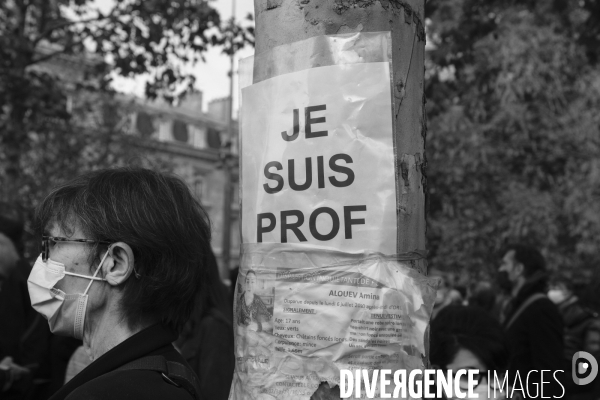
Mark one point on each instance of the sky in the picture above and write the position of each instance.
(211, 76)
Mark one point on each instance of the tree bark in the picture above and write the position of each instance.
(281, 22)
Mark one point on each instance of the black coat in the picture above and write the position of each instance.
(97, 382)
(24, 336)
(535, 341)
(207, 345)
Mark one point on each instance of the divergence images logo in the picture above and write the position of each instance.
(583, 363)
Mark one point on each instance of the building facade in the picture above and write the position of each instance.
(200, 148)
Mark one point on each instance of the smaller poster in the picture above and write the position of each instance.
(297, 327)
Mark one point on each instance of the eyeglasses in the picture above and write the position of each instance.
(55, 239)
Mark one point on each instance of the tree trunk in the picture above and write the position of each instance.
(280, 22)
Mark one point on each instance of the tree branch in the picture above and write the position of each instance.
(23, 7)
(56, 53)
(43, 16)
(71, 45)
(66, 24)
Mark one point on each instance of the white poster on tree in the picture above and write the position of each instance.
(320, 286)
(318, 159)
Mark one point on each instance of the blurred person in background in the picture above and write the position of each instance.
(588, 290)
(15, 379)
(577, 320)
(576, 317)
(461, 285)
(122, 260)
(466, 337)
(533, 326)
(206, 341)
(24, 335)
(591, 344)
(445, 296)
(503, 295)
(483, 296)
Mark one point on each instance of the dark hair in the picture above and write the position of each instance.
(483, 296)
(532, 260)
(214, 295)
(471, 328)
(155, 214)
(233, 278)
(462, 290)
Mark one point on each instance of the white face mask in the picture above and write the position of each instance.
(557, 296)
(65, 312)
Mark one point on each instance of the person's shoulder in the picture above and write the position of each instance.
(541, 309)
(576, 314)
(543, 303)
(215, 317)
(131, 384)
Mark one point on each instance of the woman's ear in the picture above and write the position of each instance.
(121, 264)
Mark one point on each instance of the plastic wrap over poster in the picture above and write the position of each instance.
(321, 287)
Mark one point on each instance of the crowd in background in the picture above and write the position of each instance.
(522, 320)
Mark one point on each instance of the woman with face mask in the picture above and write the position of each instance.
(122, 259)
(464, 337)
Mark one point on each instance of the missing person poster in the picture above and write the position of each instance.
(321, 287)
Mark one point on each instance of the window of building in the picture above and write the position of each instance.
(144, 124)
(180, 131)
(213, 137)
(199, 188)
